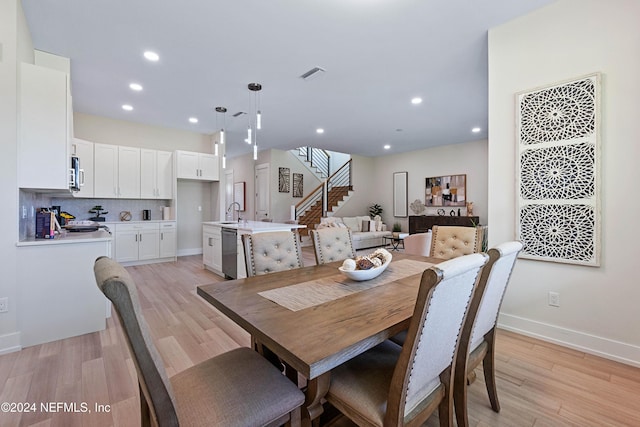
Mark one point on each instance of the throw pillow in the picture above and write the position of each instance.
(365, 226)
(352, 223)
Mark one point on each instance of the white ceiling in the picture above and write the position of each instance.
(377, 54)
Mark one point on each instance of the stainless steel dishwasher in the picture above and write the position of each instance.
(229, 253)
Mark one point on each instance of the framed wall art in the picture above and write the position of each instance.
(298, 181)
(283, 180)
(448, 190)
(558, 206)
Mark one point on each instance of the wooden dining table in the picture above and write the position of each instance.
(315, 318)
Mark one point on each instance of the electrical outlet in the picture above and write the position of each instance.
(554, 299)
(4, 305)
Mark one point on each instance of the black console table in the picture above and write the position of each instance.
(422, 223)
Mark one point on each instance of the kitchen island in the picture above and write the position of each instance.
(224, 258)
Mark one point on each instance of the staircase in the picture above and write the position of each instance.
(325, 198)
(317, 160)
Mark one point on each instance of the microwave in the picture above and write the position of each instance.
(76, 175)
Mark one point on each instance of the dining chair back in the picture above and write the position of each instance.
(478, 334)
(332, 244)
(450, 242)
(202, 394)
(271, 251)
(418, 244)
(391, 385)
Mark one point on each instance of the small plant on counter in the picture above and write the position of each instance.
(98, 211)
(375, 210)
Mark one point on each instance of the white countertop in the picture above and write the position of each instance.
(67, 237)
(254, 226)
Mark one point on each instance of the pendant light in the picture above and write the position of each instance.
(222, 110)
(255, 88)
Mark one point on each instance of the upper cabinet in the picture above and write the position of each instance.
(199, 166)
(83, 150)
(116, 172)
(156, 174)
(44, 128)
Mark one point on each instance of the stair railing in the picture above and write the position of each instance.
(343, 177)
(318, 158)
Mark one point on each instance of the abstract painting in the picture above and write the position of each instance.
(283, 180)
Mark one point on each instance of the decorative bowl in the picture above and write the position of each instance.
(361, 275)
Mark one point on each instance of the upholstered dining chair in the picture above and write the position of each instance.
(478, 334)
(332, 244)
(271, 251)
(453, 241)
(390, 385)
(418, 244)
(235, 388)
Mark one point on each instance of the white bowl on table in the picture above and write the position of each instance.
(360, 275)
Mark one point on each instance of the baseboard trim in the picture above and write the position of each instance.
(609, 349)
(10, 343)
(192, 251)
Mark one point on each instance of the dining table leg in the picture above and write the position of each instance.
(317, 388)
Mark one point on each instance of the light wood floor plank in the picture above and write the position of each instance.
(539, 384)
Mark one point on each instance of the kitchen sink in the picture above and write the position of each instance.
(228, 222)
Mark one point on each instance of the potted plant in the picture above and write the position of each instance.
(397, 228)
(98, 211)
(375, 210)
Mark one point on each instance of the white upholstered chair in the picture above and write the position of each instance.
(272, 251)
(418, 244)
(448, 242)
(391, 385)
(235, 388)
(332, 244)
(478, 333)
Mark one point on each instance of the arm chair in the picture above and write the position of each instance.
(453, 241)
(391, 385)
(418, 244)
(271, 251)
(235, 388)
(478, 337)
(332, 244)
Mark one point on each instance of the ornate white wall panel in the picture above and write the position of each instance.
(558, 172)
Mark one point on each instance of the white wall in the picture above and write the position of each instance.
(568, 39)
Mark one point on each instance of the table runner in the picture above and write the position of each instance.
(315, 292)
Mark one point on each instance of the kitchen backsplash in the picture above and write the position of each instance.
(30, 202)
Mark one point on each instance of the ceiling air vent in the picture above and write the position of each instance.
(239, 113)
(312, 73)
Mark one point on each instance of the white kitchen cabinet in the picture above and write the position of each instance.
(116, 171)
(137, 241)
(83, 150)
(212, 248)
(105, 171)
(128, 172)
(168, 240)
(44, 104)
(141, 242)
(156, 174)
(198, 166)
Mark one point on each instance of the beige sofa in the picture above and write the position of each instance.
(366, 232)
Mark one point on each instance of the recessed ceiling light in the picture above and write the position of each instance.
(151, 56)
(135, 86)
(476, 130)
(193, 120)
(416, 100)
(319, 130)
(127, 107)
(386, 147)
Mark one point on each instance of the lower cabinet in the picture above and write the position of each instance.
(141, 242)
(212, 248)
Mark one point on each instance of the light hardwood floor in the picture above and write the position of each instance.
(539, 384)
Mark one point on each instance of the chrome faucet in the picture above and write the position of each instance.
(238, 210)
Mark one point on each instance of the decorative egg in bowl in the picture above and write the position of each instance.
(366, 267)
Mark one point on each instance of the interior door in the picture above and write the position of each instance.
(262, 191)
